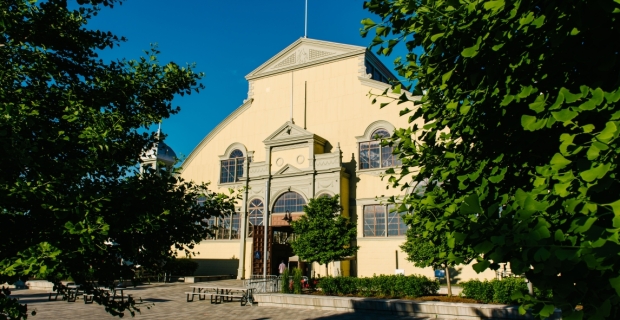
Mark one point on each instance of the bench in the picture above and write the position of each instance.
(229, 297)
(201, 295)
(88, 298)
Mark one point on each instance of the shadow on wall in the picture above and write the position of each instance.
(216, 267)
(378, 308)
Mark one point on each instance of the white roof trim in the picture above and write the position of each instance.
(303, 53)
(215, 131)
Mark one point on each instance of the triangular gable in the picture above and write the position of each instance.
(289, 131)
(288, 169)
(305, 52)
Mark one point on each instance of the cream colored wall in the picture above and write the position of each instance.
(290, 156)
(378, 256)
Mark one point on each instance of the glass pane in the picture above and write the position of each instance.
(364, 155)
(396, 224)
(387, 158)
(223, 228)
(236, 154)
(289, 201)
(374, 155)
(255, 215)
(234, 228)
(374, 221)
(239, 168)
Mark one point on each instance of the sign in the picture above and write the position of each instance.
(440, 273)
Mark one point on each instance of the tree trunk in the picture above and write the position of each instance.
(326, 270)
(448, 282)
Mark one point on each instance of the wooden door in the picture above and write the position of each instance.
(258, 240)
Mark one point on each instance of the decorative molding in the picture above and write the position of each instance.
(373, 127)
(304, 53)
(375, 172)
(237, 145)
(300, 145)
(290, 133)
(288, 169)
(300, 159)
(246, 105)
(280, 162)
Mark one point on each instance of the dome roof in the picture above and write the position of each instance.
(160, 151)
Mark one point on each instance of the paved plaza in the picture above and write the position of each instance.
(168, 301)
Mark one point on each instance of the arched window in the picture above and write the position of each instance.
(255, 216)
(373, 155)
(324, 195)
(289, 201)
(232, 168)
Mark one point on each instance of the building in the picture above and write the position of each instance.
(307, 129)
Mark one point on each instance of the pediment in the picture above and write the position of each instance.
(289, 132)
(288, 169)
(304, 52)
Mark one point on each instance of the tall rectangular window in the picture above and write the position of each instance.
(382, 221)
(374, 221)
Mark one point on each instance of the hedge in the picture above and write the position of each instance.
(498, 291)
(380, 286)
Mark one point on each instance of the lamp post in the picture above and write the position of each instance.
(287, 217)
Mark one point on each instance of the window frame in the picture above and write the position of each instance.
(276, 208)
(386, 221)
(261, 210)
(228, 222)
(237, 166)
(375, 143)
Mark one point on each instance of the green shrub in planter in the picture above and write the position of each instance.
(297, 277)
(494, 291)
(285, 281)
(380, 286)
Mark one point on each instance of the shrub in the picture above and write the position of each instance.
(380, 286)
(494, 291)
(285, 281)
(297, 277)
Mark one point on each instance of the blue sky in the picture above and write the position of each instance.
(226, 40)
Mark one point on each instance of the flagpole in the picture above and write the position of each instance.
(306, 21)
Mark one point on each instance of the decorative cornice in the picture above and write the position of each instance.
(246, 105)
(304, 53)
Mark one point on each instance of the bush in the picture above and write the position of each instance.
(494, 291)
(297, 277)
(380, 286)
(285, 281)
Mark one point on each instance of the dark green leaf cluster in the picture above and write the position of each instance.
(72, 129)
(324, 235)
(516, 135)
(393, 286)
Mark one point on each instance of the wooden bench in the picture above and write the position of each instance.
(201, 295)
(228, 297)
(88, 298)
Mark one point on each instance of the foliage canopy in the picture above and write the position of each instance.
(71, 132)
(517, 131)
(324, 235)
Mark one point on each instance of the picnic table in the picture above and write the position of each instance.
(221, 294)
(71, 292)
(115, 290)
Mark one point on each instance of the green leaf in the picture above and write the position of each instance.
(436, 36)
(608, 133)
(484, 247)
(547, 311)
(481, 266)
(471, 205)
(473, 50)
(558, 161)
(615, 283)
(564, 115)
(574, 32)
(539, 104)
(597, 172)
(494, 5)
(507, 100)
(542, 254)
(446, 76)
(559, 235)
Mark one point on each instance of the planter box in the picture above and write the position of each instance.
(426, 309)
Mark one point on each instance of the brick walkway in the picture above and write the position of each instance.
(169, 303)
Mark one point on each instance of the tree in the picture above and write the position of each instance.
(71, 132)
(323, 234)
(517, 125)
(429, 249)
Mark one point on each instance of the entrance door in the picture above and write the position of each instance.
(258, 240)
